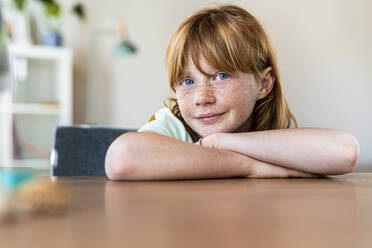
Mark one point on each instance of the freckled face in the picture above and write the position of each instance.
(219, 104)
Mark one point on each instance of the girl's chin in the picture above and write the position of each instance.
(206, 132)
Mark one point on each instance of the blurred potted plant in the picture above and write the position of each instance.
(3, 56)
(52, 17)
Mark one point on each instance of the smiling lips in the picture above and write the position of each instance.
(210, 118)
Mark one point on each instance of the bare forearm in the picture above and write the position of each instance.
(150, 156)
(320, 151)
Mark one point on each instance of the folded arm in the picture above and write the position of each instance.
(151, 156)
(312, 150)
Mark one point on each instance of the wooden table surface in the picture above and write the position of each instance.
(331, 212)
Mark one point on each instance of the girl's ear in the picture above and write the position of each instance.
(266, 82)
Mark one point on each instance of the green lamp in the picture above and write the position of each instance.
(124, 47)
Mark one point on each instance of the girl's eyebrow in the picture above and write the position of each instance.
(210, 72)
(183, 76)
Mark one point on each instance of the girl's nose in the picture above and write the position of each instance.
(205, 94)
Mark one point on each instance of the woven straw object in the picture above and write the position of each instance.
(44, 196)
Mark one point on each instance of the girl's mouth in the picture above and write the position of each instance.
(210, 118)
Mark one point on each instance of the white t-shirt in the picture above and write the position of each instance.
(166, 123)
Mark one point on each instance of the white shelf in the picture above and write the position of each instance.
(40, 164)
(30, 108)
(38, 52)
(27, 120)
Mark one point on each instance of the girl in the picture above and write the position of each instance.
(229, 117)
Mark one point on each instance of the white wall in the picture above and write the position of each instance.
(323, 48)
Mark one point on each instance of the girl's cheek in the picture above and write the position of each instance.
(230, 93)
(238, 97)
(184, 107)
(183, 94)
(182, 89)
(182, 99)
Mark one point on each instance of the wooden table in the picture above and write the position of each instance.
(333, 212)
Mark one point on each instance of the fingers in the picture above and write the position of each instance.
(266, 170)
(199, 142)
(297, 173)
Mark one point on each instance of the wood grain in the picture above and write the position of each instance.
(331, 212)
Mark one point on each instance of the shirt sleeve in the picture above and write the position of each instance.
(167, 124)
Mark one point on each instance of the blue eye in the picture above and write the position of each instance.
(222, 76)
(187, 82)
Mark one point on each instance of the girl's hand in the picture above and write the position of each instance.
(211, 141)
(258, 169)
(261, 169)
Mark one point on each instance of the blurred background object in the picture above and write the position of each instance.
(4, 63)
(123, 47)
(35, 80)
(39, 99)
(23, 195)
(47, 14)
